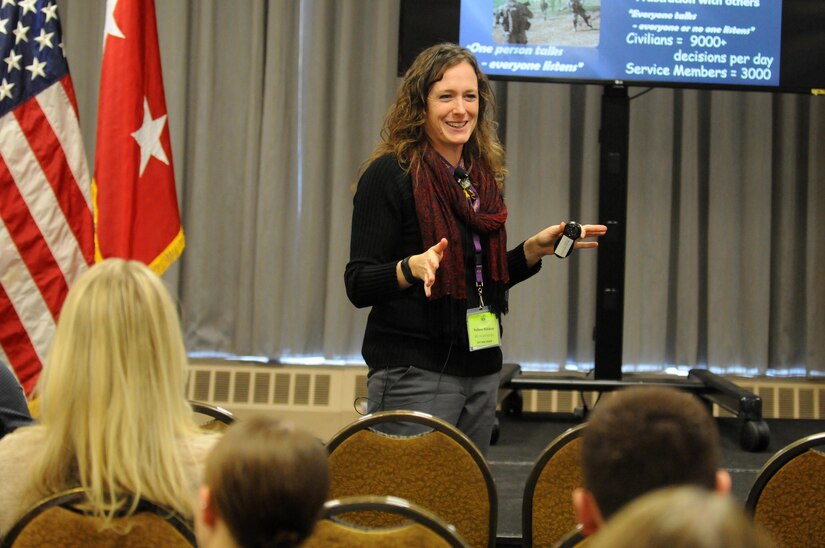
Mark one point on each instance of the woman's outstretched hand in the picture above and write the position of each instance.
(543, 243)
(424, 265)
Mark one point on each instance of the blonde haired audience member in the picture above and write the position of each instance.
(264, 486)
(681, 517)
(113, 416)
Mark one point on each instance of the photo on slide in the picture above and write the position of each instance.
(558, 22)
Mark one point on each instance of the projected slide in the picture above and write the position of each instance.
(727, 42)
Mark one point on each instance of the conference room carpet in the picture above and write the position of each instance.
(522, 439)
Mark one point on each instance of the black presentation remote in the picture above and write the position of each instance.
(565, 244)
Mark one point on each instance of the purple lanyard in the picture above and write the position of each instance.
(472, 200)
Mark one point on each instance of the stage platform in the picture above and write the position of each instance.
(522, 438)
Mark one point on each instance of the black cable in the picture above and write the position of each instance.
(639, 94)
(585, 407)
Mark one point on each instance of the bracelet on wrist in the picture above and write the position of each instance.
(407, 271)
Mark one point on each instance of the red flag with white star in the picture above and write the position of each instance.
(136, 207)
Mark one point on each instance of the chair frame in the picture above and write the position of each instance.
(775, 463)
(394, 505)
(71, 497)
(572, 538)
(547, 453)
(437, 424)
(216, 412)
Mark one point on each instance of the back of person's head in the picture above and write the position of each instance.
(266, 481)
(644, 438)
(681, 517)
(112, 390)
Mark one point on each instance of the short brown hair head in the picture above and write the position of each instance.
(644, 438)
(268, 482)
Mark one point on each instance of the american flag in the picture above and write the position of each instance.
(46, 228)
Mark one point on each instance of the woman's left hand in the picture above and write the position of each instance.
(543, 243)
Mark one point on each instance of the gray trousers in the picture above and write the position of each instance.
(467, 402)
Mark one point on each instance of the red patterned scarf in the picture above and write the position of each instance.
(440, 203)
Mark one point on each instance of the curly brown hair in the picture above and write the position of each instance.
(403, 130)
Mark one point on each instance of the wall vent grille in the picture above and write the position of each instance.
(221, 386)
(271, 385)
(323, 399)
(780, 399)
(282, 388)
(263, 383)
(241, 393)
(301, 392)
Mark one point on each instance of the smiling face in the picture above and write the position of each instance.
(452, 111)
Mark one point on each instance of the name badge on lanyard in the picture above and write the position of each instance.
(482, 328)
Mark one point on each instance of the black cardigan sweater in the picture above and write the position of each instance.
(384, 231)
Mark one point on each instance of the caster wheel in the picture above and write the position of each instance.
(496, 432)
(513, 404)
(754, 436)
